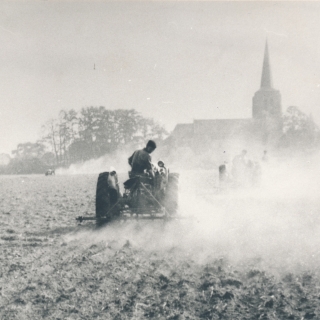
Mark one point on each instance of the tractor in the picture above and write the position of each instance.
(144, 197)
(50, 172)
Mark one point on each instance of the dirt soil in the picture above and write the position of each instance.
(54, 268)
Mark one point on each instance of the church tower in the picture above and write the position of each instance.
(266, 102)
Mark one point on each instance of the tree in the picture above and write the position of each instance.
(50, 136)
(25, 166)
(27, 158)
(49, 159)
(4, 159)
(97, 131)
(299, 130)
(80, 150)
(68, 133)
(152, 130)
(91, 126)
(29, 150)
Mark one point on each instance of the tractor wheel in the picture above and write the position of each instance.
(171, 196)
(106, 199)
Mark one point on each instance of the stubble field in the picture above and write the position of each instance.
(241, 256)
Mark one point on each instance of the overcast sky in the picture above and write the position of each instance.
(172, 61)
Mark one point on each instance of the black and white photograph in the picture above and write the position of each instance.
(159, 160)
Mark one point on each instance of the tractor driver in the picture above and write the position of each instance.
(141, 160)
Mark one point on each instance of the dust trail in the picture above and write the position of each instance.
(275, 226)
(118, 160)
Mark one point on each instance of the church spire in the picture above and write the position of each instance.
(266, 81)
(267, 100)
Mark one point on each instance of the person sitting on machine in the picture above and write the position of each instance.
(141, 160)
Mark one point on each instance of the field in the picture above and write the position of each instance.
(244, 255)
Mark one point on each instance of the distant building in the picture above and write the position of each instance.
(263, 128)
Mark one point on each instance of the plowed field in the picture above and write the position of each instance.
(242, 256)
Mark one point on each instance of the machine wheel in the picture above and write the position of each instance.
(171, 196)
(106, 199)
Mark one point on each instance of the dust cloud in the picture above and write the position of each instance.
(117, 160)
(274, 226)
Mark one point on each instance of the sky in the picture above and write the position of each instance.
(173, 61)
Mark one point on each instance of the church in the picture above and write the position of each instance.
(263, 128)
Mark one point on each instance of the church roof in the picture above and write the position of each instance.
(222, 128)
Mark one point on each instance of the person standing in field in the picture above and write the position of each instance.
(224, 177)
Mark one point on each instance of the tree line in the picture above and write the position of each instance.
(80, 136)
(299, 131)
(96, 131)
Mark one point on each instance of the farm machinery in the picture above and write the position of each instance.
(144, 197)
(50, 172)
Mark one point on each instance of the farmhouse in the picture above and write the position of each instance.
(263, 128)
